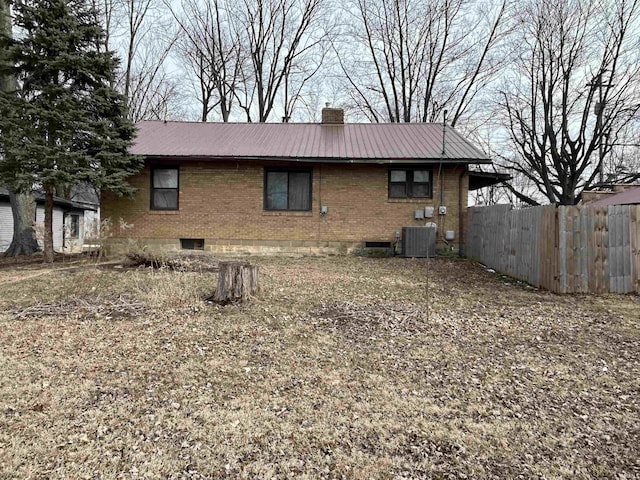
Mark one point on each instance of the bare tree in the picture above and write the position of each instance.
(408, 60)
(622, 164)
(301, 82)
(247, 57)
(151, 91)
(149, 88)
(213, 53)
(105, 11)
(141, 34)
(283, 38)
(575, 57)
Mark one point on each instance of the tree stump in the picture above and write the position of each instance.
(237, 282)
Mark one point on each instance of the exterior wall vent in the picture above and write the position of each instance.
(418, 242)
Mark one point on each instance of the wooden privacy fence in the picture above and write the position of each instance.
(563, 249)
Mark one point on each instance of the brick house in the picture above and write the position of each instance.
(327, 187)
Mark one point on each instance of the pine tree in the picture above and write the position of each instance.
(65, 124)
(23, 204)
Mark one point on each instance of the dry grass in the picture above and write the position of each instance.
(337, 370)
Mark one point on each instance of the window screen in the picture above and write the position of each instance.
(287, 190)
(409, 183)
(164, 188)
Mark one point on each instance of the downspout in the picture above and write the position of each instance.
(441, 175)
(443, 154)
(320, 215)
(460, 213)
(441, 219)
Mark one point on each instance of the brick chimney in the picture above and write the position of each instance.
(332, 116)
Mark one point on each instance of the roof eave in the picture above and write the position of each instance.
(479, 180)
(345, 161)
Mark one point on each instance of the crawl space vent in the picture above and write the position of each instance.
(377, 244)
(192, 243)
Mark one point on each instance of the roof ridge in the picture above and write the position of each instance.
(194, 122)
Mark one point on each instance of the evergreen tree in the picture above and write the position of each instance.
(23, 204)
(65, 124)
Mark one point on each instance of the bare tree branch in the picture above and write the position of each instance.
(570, 54)
(412, 59)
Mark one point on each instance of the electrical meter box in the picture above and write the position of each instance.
(442, 210)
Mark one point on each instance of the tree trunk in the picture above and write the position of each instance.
(48, 224)
(23, 207)
(237, 283)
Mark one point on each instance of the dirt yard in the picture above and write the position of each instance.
(341, 368)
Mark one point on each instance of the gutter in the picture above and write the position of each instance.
(346, 161)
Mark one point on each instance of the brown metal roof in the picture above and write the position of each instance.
(352, 142)
(630, 196)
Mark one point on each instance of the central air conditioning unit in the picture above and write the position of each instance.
(419, 242)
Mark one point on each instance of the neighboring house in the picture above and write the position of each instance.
(85, 196)
(71, 215)
(621, 195)
(269, 187)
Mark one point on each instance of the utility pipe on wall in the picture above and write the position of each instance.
(460, 213)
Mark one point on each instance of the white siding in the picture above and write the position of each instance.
(91, 225)
(57, 226)
(87, 219)
(6, 225)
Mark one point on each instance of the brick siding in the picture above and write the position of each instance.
(222, 202)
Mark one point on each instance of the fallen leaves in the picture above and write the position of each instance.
(340, 368)
(361, 321)
(89, 307)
